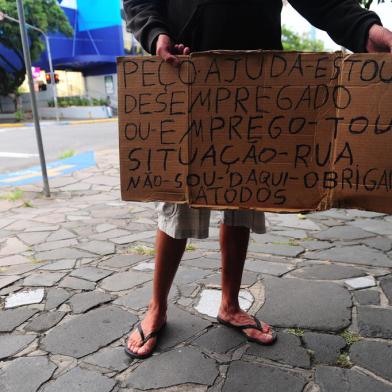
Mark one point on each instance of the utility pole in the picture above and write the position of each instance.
(26, 54)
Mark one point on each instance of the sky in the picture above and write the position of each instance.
(296, 22)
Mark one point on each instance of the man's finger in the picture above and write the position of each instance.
(387, 39)
(166, 50)
(170, 58)
(379, 39)
(173, 60)
(167, 56)
(187, 50)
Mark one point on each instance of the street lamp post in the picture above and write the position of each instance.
(26, 54)
(47, 44)
(52, 79)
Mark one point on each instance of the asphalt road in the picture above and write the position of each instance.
(18, 146)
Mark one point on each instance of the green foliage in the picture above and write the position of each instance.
(27, 204)
(33, 260)
(296, 331)
(368, 3)
(311, 353)
(99, 102)
(350, 337)
(64, 102)
(344, 361)
(67, 154)
(190, 247)
(15, 195)
(290, 242)
(300, 42)
(46, 15)
(19, 115)
(142, 250)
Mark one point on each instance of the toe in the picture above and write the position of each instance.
(147, 347)
(133, 343)
(262, 336)
(266, 328)
(266, 337)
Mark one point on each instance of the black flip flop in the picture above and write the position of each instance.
(152, 334)
(258, 326)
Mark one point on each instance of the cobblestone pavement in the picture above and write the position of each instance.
(76, 275)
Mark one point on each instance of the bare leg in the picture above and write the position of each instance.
(234, 245)
(169, 252)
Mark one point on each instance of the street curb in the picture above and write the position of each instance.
(70, 122)
(98, 120)
(12, 125)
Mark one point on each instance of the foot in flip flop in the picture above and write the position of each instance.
(142, 341)
(255, 330)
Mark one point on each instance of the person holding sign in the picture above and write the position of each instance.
(177, 27)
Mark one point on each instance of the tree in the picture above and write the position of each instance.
(48, 16)
(303, 43)
(368, 3)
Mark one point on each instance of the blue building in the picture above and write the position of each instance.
(99, 36)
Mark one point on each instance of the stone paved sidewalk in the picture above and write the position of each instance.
(76, 275)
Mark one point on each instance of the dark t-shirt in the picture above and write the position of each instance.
(243, 24)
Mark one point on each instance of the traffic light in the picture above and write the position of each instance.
(42, 86)
(49, 79)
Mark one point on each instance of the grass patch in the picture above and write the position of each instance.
(290, 242)
(311, 353)
(15, 195)
(67, 154)
(343, 361)
(190, 247)
(296, 331)
(33, 260)
(350, 337)
(142, 250)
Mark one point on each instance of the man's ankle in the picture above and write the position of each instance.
(229, 307)
(156, 307)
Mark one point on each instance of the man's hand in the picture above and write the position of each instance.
(379, 40)
(167, 51)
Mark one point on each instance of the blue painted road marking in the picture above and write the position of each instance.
(55, 169)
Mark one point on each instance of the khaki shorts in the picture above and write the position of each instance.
(181, 221)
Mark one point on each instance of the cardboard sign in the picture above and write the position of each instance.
(268, 130)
